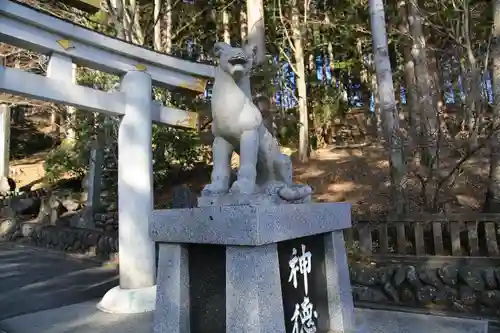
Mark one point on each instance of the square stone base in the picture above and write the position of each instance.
(228, 269)
(256, 199)
(248, 225)
(224, 289)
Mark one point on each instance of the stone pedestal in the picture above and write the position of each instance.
(239, 269)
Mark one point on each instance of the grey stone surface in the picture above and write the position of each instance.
(85, 318)
(338, 284)
(255, 199)
(376, 321)
(182, 197)
(34, 279)
(253, 292)
(269, 194)
(79, 318)
(172, 291)
(93, 184)
(248, 224)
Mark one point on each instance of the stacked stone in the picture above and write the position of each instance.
(5, 198)
(461, 288)
(107, 221)
(73, 240)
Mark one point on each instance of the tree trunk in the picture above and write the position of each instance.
(167, 29)
(257, 36)
(492, 203)
(55, 121)
(226, 36)
(435, 83)
(157, 29)
(363, 73)
(128, 25)
(297, 36)
(256, 28)
(243, 22)
(429, 114)
(388, 105)
(116, 11)
(378, 130)
(409, 75)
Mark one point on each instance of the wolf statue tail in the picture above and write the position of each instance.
(296, 193)
(292, 192)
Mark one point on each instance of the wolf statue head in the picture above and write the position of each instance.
(235, 61)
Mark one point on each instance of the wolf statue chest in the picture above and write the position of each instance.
(232, 110)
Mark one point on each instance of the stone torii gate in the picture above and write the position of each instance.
(67, 44)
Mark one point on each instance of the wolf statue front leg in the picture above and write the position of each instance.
(247, 174)
(221, 173)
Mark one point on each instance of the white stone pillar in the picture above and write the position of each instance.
(71, 111)
(4, 140)
(136, 292)
(62, 68)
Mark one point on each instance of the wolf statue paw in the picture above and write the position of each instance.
(243, 186)
(216, 188)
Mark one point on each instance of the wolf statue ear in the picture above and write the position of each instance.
(219, 47)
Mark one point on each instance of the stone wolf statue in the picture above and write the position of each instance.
(237, 126)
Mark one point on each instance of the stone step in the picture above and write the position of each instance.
(85, 318)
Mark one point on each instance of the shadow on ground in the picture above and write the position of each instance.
(79, 318)
(37, 279)
(361, 176)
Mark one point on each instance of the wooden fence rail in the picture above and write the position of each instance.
(456, 235)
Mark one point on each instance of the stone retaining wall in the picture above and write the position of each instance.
(106, 221)
(457, 288)
(6, 198)
(94, 243)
